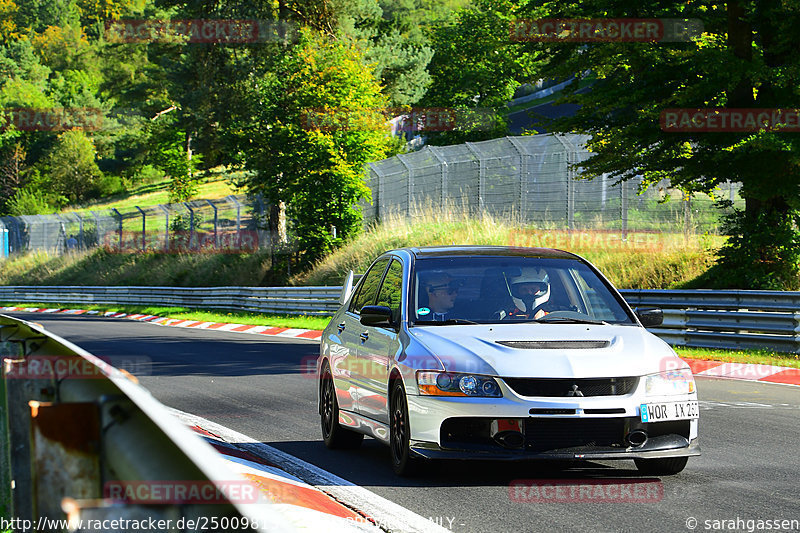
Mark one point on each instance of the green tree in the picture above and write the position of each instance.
(476, 65)
(70, 168)
(317, 172)
(746, 58)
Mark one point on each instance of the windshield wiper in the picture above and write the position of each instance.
(448, 322)
(572, 320)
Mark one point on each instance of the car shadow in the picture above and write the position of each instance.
(370, 466)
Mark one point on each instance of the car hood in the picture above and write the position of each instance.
(625, 351)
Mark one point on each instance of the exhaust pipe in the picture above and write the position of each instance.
(636, 438)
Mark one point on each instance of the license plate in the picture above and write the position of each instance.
(660, 412)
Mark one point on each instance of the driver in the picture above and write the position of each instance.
(529, 291)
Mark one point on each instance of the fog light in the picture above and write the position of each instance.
(490, 388)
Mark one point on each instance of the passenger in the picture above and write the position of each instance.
(442, 292)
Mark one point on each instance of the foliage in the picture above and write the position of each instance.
(744, 59)
(29, 201)
(70, 168)
(476, 65)
(318, 174)
(763, 251)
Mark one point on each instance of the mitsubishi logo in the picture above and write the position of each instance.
(575, 391)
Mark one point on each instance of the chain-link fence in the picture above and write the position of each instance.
(531, 179)
(233, 223)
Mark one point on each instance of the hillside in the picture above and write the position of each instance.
(645, 260)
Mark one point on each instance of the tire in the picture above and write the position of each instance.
(335, 436)
(404, 463)
(668, 466)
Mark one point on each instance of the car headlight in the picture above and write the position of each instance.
(452, 384)
(670, 383)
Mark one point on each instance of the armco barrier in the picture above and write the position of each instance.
(281, 300)
(733, 319)
(73, 429)
(698, 318)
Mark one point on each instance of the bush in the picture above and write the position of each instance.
(29, 202)
(70, 168)
(762, 251)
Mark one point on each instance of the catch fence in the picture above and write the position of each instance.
(234, 223)
(532, 179)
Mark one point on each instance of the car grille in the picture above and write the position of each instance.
(572, 387)
(543, 434)
(555, 345)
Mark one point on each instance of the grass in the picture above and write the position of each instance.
(214, 184)
(101, 267)
(233, 317)
(643, 260)
(761, 357)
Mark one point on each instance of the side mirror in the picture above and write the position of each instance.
(376, 315)
(650, 317)
(347, 288)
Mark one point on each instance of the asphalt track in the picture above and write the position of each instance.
(256, 386)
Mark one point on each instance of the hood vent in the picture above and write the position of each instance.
(555, 345)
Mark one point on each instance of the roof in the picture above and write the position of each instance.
(513, 251)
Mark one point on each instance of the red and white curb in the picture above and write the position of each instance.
(281, 488)
(700, 367)
(178, 323)
(305, 486)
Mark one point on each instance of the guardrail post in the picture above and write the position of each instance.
(6, 499)
(144, 226)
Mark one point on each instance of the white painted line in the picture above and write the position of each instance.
(387, 514)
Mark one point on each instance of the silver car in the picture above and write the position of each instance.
(502, 353)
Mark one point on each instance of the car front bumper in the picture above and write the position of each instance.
(593, 428)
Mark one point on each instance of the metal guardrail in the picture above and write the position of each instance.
(72, 424)
(725, 319)
(697, 318)
(281, 300)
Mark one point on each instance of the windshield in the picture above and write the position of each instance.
(487, 290)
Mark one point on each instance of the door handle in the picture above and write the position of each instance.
(364, 336)
(341, 327)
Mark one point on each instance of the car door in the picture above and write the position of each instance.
(351, 333)
(379, 347)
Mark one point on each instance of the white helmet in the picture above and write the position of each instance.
(530, 275)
